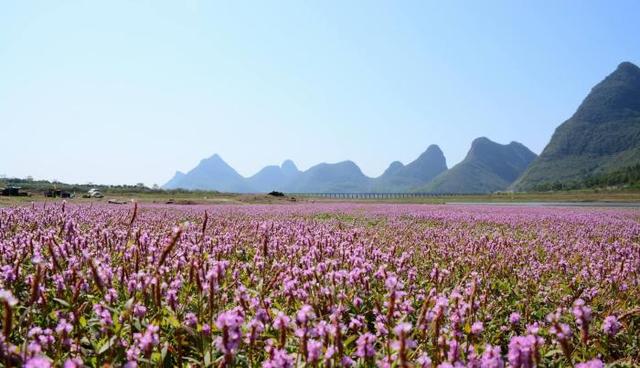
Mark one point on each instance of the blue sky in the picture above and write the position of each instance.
(130, 91)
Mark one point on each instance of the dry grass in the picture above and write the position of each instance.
(223, 198)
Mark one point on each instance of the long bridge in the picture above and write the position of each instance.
(375, 195)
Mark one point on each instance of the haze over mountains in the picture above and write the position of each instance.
(489, 166)
(601, 137)
(399, 178)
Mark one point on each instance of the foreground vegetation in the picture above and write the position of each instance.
(318, 285)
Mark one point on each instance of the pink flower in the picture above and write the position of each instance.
(563, 332)
(190, 320)
(281, 321)
(402, 329)
(424, 361)
(314, 348)
(6, 296)
(230, 323)
(63, 328)
(453, 355)
(491, 357)
(477, 328)
(73, 363)
(279, 359)
(582, 314)
(365, 346)
(393, 284)
(595, 363)
(149, 339)
(611, 326)
(37, 362)
(521, 351)
(305, 314)
(514, 318)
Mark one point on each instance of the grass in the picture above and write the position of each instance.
(229, 198)
(177, 198)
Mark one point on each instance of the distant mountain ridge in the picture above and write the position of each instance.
(600, 140)
(225, 177)
(602, 136)
(488, 167)
(341, 177)
(274, 177)
(401, 178)
(346, 177)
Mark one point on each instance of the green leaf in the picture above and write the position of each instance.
(107, 345)
(163, 352)
(128, 304)
(172, 321)
(193, 360)
(349, 340)
(467, 328)
(62, 302)
(156, 357)
(553, 352)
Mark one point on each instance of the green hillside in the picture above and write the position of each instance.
(488, 167)
(601, 137)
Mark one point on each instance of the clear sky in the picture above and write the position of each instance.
(130, 91)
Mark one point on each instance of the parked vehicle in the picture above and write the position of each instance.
(58, 193)
(94, 193)
(13, 192)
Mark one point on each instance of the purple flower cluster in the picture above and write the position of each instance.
(319, 284)
(611, 326)
(230, 325)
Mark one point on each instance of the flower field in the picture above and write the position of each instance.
(319, 285)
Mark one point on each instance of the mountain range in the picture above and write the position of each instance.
(601, 137)
(488, 167)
